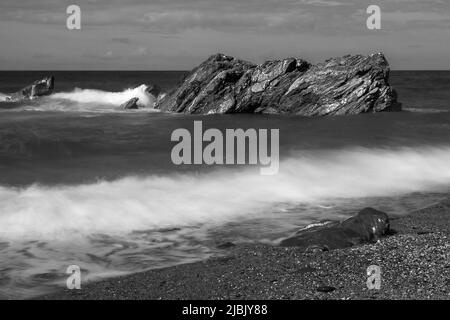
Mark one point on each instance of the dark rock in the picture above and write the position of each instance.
(154, 90)
(39, 88)
(202, 90)
(317, 248)
(226, 245)
(367, 226)
(326, 289)
(130, 104)
(421, 233)
(345, 85)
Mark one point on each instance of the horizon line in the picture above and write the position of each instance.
(133, 70)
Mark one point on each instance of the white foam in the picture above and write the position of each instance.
(92, 96)
(425, 110)
(189, 199)
(3, 97)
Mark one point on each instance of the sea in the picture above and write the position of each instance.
(85, 183)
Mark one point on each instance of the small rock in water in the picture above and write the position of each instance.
(39, 88)
(130, 104)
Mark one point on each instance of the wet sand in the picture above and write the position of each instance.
(414, 264)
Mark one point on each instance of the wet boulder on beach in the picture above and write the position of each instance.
(367, 226)
(130, 104)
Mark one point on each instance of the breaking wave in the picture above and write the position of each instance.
(89, 100)
(159, 201)
(3, 97)
(424, 110)
(104, 97)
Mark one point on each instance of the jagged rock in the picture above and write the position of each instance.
(367, 226)
(154, 90)
(130, 104)
(39, 88)
(345, 85)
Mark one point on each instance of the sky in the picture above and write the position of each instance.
(180, 34)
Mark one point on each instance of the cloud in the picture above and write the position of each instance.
(179, 21)
(42, 55)
(108, 55)
(148, 33)
(248, 16)
(121, 40)
(142, 51)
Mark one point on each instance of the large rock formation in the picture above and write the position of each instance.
(39, 88)
(338, 86)
(368, 225)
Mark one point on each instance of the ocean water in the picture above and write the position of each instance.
(83, 182)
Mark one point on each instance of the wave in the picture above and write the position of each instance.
(175, 200)
(3, 97)
(103, 97)
(424, 110)
(89, 100)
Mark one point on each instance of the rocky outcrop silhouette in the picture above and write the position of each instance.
(39, 88)
(351, 84)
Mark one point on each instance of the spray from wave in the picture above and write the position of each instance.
(104, 97)
(3, 97)
(89, 100)
(424, 110)
(190, 199)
